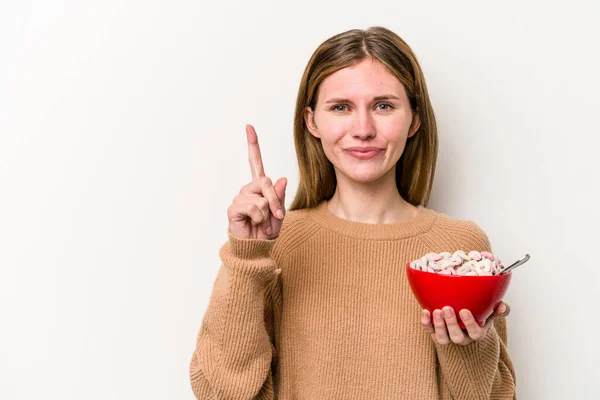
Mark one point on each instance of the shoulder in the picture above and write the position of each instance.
(467, 234)
(296, 229)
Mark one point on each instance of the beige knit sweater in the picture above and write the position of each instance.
(325, 311)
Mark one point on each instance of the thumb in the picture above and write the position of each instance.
(280, 187)
(502, 310)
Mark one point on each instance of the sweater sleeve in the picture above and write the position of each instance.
(234, 348)
(482, 369)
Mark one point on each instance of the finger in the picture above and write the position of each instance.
(263, 188)
(247, 196)
(502, 310)
(254, 157)
(426, 322)
(242, 211)
(265, 226)
(487, 325)
(455, 331)
(253, 188)
(475, 331)
(280, 187)
(263, 205)
(441, 333)
(268, 191)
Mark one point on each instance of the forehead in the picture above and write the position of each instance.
(369, 78)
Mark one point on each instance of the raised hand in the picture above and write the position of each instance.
(258, 209)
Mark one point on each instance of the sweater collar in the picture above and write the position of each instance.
(421, 223)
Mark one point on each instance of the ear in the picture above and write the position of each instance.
(414, 127)
(309, 120)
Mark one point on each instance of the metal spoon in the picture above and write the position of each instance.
(522, 261)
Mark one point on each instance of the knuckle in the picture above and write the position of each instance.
(250, 207)
(266, 181)
(264, 203)
(264, 208)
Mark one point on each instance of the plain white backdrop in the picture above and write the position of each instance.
(122, 144)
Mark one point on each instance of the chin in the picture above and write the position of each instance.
(363, 176)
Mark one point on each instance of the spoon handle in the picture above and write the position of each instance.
(520, 262)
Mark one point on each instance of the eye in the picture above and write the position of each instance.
(389, 106)
(337, 107)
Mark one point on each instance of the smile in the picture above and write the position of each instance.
(364, 155)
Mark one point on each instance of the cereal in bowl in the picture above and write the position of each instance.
(474, 263)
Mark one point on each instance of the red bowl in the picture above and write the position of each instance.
(478, 294)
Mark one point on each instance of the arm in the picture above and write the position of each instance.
(482, 369)
(234, 348)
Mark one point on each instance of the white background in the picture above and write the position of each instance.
(122, 144)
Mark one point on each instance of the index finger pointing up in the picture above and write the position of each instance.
(256, 165)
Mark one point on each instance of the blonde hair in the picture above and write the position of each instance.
(415, 169)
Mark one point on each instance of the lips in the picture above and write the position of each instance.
(364, 149)
(364, 153)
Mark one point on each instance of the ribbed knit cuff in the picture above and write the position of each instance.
(249, 249)
(474, 350)
(469, 369)
(250, 257)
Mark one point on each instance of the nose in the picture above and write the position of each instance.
(364, 126)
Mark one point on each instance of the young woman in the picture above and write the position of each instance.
(314, 303)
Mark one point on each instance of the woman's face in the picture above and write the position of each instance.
(362, 107)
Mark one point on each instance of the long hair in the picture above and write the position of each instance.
(415, 169)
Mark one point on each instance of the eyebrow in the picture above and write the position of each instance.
(376, 98)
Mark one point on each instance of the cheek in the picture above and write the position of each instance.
(332, 128)
(397, 124)
(393, 129)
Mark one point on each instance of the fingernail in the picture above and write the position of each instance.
(279, 214)
(502, 308)
(464, 315)
(448, 312)
(437, 316)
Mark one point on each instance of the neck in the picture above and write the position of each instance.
(376, 203)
